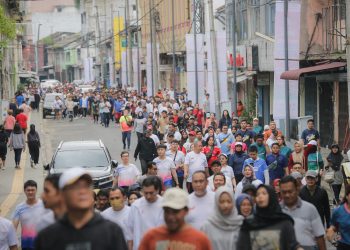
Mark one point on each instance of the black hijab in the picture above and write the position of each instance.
(270, 215)
(335, 159)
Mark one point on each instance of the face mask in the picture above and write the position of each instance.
(117, 204)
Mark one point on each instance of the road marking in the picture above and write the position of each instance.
(17, 185)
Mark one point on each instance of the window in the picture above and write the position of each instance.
(255, 16)
(68, 56)
(91, 158)
(243, 19)
(270, 14)
(134, 7)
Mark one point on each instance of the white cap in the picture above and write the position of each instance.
(175, 198)
(312, 142)
(70, 176)
(266, 127)
(238, 143)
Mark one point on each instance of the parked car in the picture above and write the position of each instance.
(48, 103)
(49, 84)
(92, 155)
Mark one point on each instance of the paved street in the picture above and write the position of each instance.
(51, 133)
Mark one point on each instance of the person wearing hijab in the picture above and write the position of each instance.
(334, 160)
(244, 205)
(269, 228)
(223, 226)
(249, 178)
(33, 140)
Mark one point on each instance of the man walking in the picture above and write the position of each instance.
(28, 214)
(195, 161)
(307, 222)
(201, 201)
(145, 150)
(146, 212)
(259, 165)
(166, 168)
(81, 227)
(316, 196)
(175, 232)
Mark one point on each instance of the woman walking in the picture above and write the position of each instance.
(269, 228)
(139, 123)
(3, 147)
(334, 160)
(223, 226)
(34, 146)
(17, 143)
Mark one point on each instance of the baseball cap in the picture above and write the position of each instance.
(72, 175)
(266, 127)
(192, 133)
(238, 143)
(296, 175)
(256, 119)
(312, 142)
(192, 117)
(170, 134)
(311, 173)
(175, 198)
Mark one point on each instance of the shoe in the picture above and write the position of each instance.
(3, 168)
(32, 165)
(35, 166)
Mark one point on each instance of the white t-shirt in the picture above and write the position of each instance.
(164, 168)
(195, 162)
(155, 139)
(228, 171)
(211, 183)
(144, 216)
(127, 175)
(200, 208)
(119, 217)
(8, 237)
(179, 159)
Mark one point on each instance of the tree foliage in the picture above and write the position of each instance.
(7, 30)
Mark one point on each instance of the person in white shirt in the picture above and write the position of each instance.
(125, 174)
(166, 167)
(249, 178)
(118, 212)
(227, 170)
(201, 201)
(195, 161)
(146, 212)
(216, 168)
(8, 238)
(178, 158)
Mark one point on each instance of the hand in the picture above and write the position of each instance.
(330, 234)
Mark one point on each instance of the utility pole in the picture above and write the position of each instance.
(234, 55)
(173, 35)
(37, 53)
(151, 37)
(138, 47)
(112, 67)
(126, 49)
(99, 47)
(347, 2)
(195, 9)
(286, 67)
(214, 57)
(154, 48)
(129, 44)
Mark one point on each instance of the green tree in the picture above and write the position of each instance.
(7, 30)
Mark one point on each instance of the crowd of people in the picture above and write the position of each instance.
(203, 182)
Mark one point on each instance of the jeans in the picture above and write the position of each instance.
(139, 136)
(126, 135)
(18, 153)
(143, 165)
(189, 187)
(106, 119)
(84, 111)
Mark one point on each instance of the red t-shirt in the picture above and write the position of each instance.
(22, 120)
(188, 238)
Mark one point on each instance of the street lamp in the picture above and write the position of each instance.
(37, 52)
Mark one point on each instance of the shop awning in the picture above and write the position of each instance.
(295, 74)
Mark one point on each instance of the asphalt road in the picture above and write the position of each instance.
(52, 132)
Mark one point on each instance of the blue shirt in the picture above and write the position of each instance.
(118, 106)
(310, 134)
(236, 162)
(276, 165)
(225, 142)
(19, 99)
(257, 129)
(246, 136)
(341, 220)
(259, 168)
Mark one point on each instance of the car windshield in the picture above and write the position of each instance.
(83, 158)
